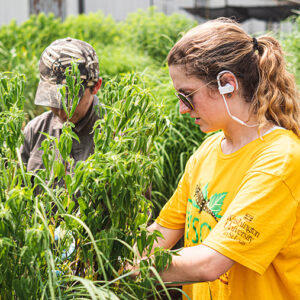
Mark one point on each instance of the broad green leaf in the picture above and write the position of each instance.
(216, 202)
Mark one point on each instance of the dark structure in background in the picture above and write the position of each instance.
(81, 8)
(269, 11)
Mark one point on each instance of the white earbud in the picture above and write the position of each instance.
(226, 89)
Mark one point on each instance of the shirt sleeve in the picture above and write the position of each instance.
(173, 214)
(257, 224)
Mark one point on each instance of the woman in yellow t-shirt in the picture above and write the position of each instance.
(237, 204)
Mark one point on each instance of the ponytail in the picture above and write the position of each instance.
(277, 98)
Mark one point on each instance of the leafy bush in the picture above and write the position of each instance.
(21, 47)
(93, 28)
(79, 248)
(120, 59)
(141, 140)
(122, 47)
(154, 32)
(291, 44)
(32, 35)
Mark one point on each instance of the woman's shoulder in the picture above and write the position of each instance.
(283, 142)
(278, 152)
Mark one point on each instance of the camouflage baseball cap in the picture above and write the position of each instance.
(53, 63)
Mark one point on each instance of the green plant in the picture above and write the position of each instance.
(93, 210)
(94, 28)
(291, 45)
(153, 32)
(101, 210)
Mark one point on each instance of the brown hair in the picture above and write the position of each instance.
(258, 65)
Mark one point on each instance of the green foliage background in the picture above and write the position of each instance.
(144, 140)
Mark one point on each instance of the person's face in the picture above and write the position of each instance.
(80, 111)
(208, 109)
(82, 107)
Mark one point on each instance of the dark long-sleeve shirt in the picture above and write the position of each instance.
(52, 125)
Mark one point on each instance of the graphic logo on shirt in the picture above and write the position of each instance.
(197, 231)
(240, 228)
(212, 205)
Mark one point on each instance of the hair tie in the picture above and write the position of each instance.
(255, 44)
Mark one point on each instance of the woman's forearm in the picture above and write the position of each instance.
(197, 264)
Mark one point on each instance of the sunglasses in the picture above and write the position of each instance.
(186, 99)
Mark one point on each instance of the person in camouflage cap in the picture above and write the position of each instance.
(53, 63)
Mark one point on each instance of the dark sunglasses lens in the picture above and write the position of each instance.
(185, 101)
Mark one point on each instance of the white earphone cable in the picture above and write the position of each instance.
(235, 118)
(225, 102)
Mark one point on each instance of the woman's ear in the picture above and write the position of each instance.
(229, 79)
(97, 86)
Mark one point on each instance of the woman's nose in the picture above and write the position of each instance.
(183, 109)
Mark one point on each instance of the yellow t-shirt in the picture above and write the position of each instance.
(244, 205)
